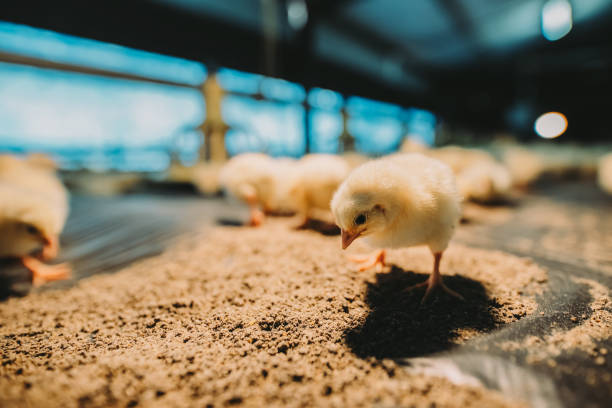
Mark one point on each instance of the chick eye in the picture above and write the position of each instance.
(31, 229)
(360, 219)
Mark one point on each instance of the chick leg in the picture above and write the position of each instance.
(301, 218)
(434, 281)
(375, 259)
(42, 273)
(256, 217)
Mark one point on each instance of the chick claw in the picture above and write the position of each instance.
(433, 283)
(43, 273)
(376, 260)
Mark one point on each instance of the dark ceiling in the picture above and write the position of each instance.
(479, 64)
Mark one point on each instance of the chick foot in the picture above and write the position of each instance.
(431, 285)
(43, 273)
(374, 260)
(256, 217)
(433, 282)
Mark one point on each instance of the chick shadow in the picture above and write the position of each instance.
(230, 222)
(398, 326)
(15, 279)
(320, 226)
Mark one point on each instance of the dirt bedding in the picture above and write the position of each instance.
(258, 317)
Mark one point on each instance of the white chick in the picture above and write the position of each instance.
(412, 145)
(604, 173)
(250, 178)
(312, 184)
(524, 165)
(399, 201)
(459, 158)
(484, 182)
(33, 211)
(205, 177)
(354, 159)
(283, 172)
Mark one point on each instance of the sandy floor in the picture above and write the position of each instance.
(257, 317)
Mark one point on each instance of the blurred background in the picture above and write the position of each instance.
(140, 86)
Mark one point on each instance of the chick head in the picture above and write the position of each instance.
(359, 214)
(27, 225)
(25, 238)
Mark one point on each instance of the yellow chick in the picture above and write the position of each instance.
(411, 145)
(311, 186)
(604, 173)
(524, 165)
(459, 158)
(250, 178)
(205, 177)
(33, 211)
(354, 159)
(484, 182)
(399, 201)
(283, 172)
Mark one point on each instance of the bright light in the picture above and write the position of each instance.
(297, 14)
(556, 19)
(551, 125)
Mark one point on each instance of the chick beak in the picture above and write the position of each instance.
(50, 247)
(348, 237)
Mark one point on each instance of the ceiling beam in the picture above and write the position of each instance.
(164, 29)
(79, 69)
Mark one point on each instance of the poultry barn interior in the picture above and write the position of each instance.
(179, 178)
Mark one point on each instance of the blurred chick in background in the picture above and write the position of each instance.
(205, 177)
(525, 167)
(411, 145)
(283, 170)
(33, 211)
(250, 178)
(400, 201)
(604, 173)
(311, 185)
(485, 182)
(480, 177)
(354, 159)
(459, 158)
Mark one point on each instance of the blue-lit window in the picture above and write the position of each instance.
(325, 99)
(281, 90)
(52, 46)
(95, 121)
(325, 120)
(420, 126)
(376, 126)
(69, 114)
(325, 129)
(265, 126)
(238, 81)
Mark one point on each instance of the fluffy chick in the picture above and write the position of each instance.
(413, 145)
(399, 201)
(250, 178)
(205, 177)
(484, 182)
(284, 172)
(33, 211)
(311, 185)
(604, 173)
(354, 159)
(524, 165)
